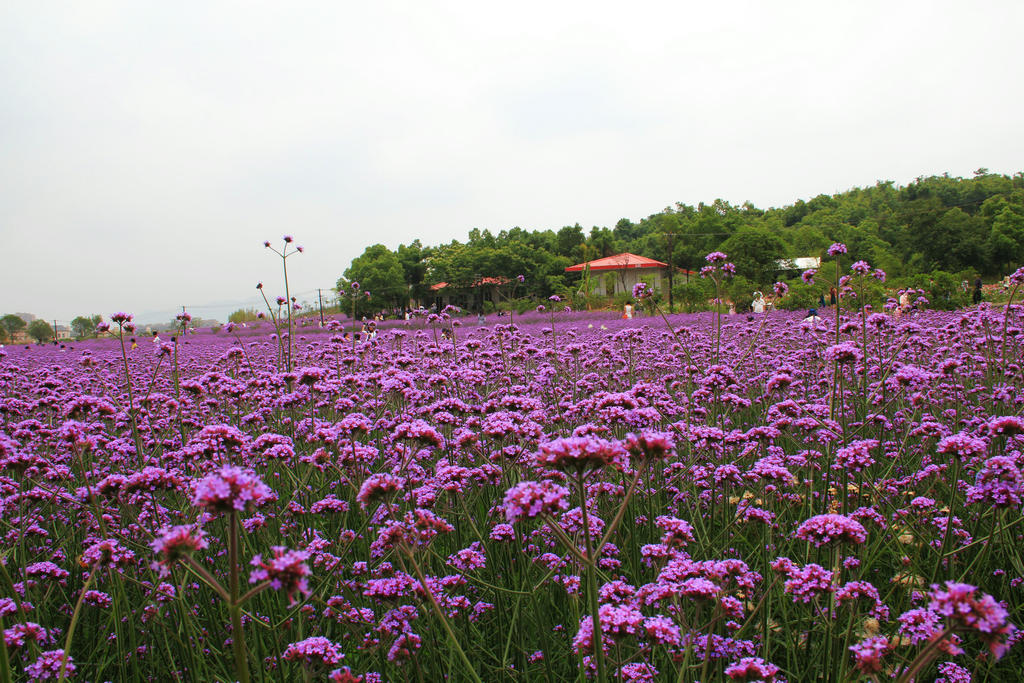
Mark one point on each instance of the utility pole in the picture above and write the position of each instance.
(671, 267)
(54, 331)
(320, 298)
(479, 284)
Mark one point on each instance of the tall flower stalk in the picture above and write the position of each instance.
(1017, 279)
(285, 252)
(717, 268)
(183, 319)
(353, 293)
(235, 606)
(230, 490)
(125, 325)
(555, 300)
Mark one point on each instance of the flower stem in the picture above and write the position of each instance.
(131, 398)
(5, 662)
(591, 570)
(208, 578)
(444, 621)
(924, 658)
(71, 629)
(1006, 318)
(288, 303)
(622, 509)
(951, 508)
(235, 606)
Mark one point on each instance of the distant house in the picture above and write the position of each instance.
(471, 297)
(626, 270)
(800, 263)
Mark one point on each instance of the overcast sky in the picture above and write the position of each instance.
(148, 149)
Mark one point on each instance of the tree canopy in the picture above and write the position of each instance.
(40, 330)
(12, 324)
(84, 326)
(936, 223)
(379, 273)
(243, 315)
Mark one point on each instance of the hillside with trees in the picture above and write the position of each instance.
(938, 230)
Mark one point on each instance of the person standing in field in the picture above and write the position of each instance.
(904, 303)
(976, 297)
(758, 303)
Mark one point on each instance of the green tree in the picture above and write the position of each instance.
(693, 295)
(243, 315)
(601, 243)
(944, 291)
(808, 240)
(569, 240)
(13, 324)
(40, 330)
(755, 251)
(379, 272)
(84, 327)
(626, 230)
(954, 240)
(690, 248)
(413, 258)
(1006, 241)
(668, 231)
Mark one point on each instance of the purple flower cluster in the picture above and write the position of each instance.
(807, 583)
(231, 489)
(830, 528)
(316, 651)
(999, 483)
(529, 499)
(578, 453)
(963, 606)
(108, 553)
(285, 571)
(753, 669)
(173, 543)
(51, 664)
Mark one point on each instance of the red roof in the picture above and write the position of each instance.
(618, 262)
(494, 280)
(483, 281)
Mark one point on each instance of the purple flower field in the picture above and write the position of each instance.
(569, 495)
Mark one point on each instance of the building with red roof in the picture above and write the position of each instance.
(468, 296)
(618, 273)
